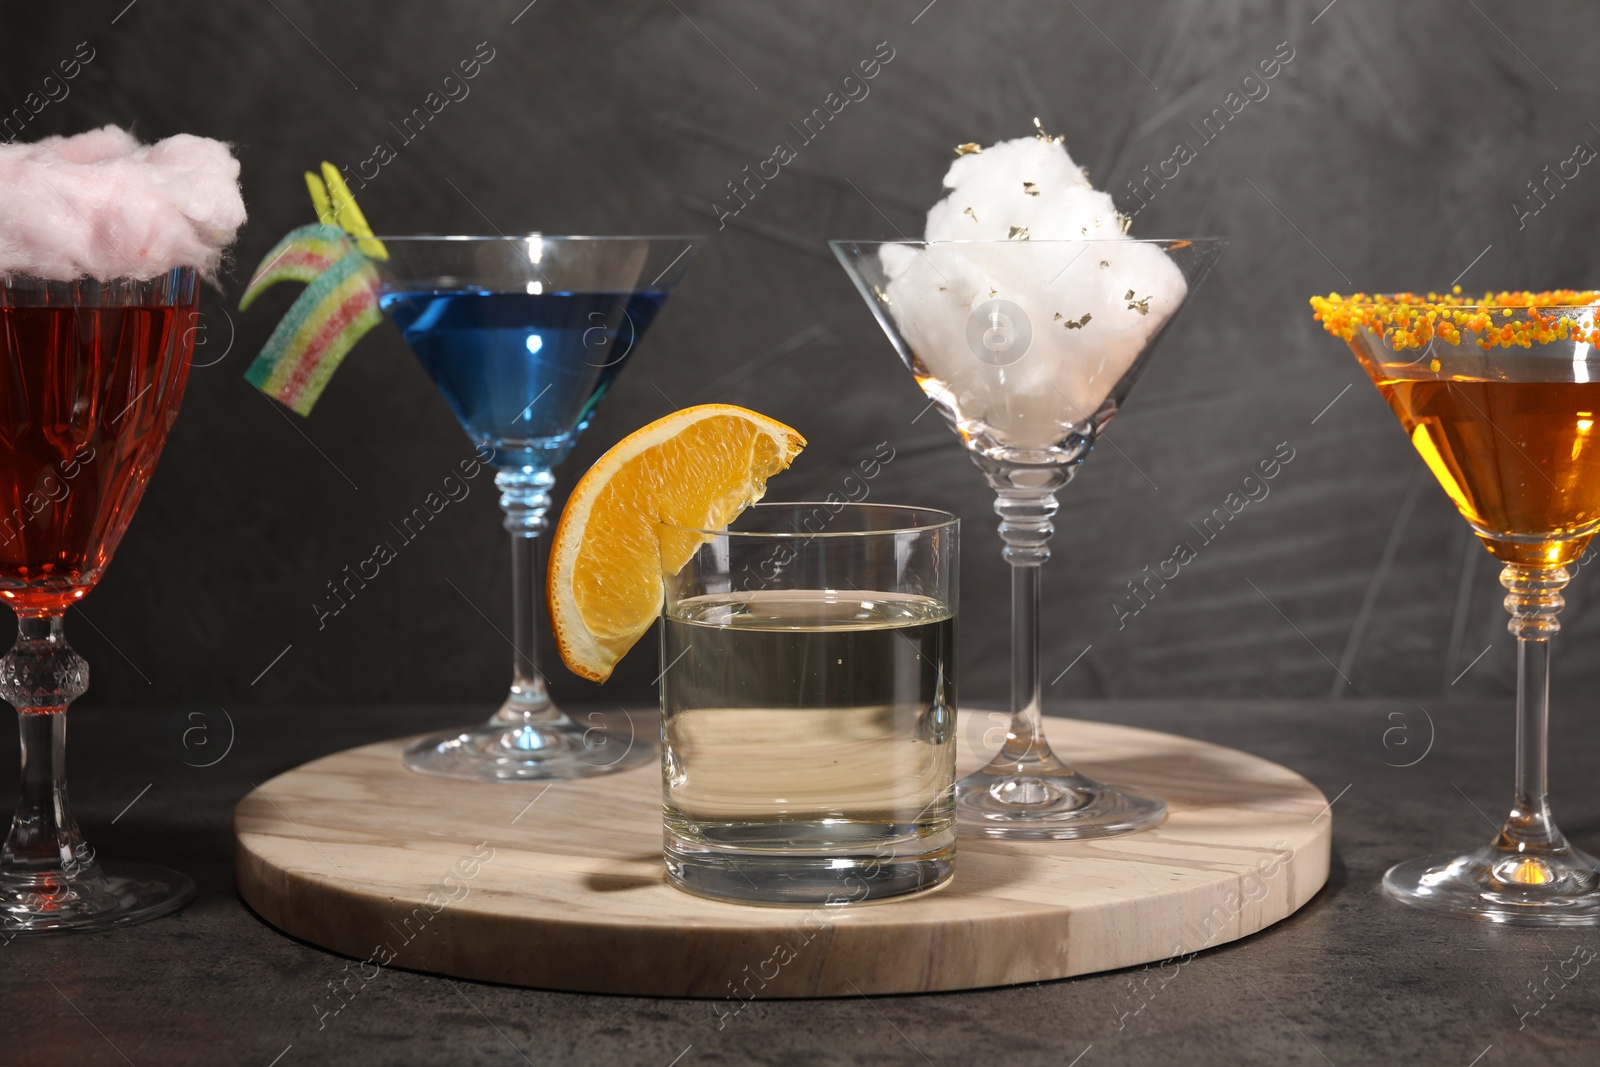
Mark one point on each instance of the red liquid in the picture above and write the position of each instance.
(87, 395)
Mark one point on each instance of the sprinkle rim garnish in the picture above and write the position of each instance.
(1411, 320)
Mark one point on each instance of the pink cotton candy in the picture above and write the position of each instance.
(104, 206)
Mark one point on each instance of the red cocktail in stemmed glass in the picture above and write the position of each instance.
(91, 373)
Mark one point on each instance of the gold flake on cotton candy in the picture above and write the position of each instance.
(1125, 221)
(973, 214)
(883, 297)
(1141, 306)
(1017, 233)
(971, 148)
(1105, 263)
(1030, 188)
(1078, 323)
(993, 291)
(1048, 138)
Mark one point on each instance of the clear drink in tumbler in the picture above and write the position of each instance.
(808, 693)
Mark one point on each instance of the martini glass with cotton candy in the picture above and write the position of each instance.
(103, 242)
(1026, 316)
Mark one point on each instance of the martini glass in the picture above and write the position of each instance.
(523, 336)
(91, 374)
(1508, 433)
(1028, 349)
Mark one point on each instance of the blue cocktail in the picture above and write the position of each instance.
(523, 371)
(523, 336)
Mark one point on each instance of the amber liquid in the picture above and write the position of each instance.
(1520, 459)
(87, 395)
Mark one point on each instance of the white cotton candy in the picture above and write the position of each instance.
(101, 205)
(1028, 186)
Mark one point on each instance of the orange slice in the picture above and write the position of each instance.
(699, 467)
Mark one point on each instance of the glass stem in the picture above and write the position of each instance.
(39, 677)
(525, 500)
(1533, 598)
(1025, 738)
(1025, 527)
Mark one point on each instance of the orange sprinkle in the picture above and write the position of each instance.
(1406, 320)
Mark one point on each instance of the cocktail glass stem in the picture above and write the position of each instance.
(1529, 874)
(1025, 527)
(1025, 743)
(525, 501)
(1532, 844)
(1026, 791)
(39, 677)
(49, 877)
(1533, 599)
(529, 737)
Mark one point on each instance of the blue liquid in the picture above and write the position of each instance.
(522, 371)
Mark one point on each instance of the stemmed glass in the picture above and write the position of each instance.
(523, 336)
(1028, 349)
(1508, 433)
(91, 374)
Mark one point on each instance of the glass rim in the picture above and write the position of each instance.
(1179, 242)
(944, 520)
(176, 287)
(508, 238)
(120, 279)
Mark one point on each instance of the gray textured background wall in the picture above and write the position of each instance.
(1387, 154)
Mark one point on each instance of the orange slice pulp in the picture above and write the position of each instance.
(697, 468)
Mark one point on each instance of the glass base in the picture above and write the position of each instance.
(815, 880)
(497, 752)
(110, 894)
(999, 803)
(1560, 888)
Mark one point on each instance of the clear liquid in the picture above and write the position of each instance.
(808, 735)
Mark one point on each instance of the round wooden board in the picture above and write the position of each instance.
(560, 885)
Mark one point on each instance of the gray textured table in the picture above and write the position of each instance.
(1351, 979)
